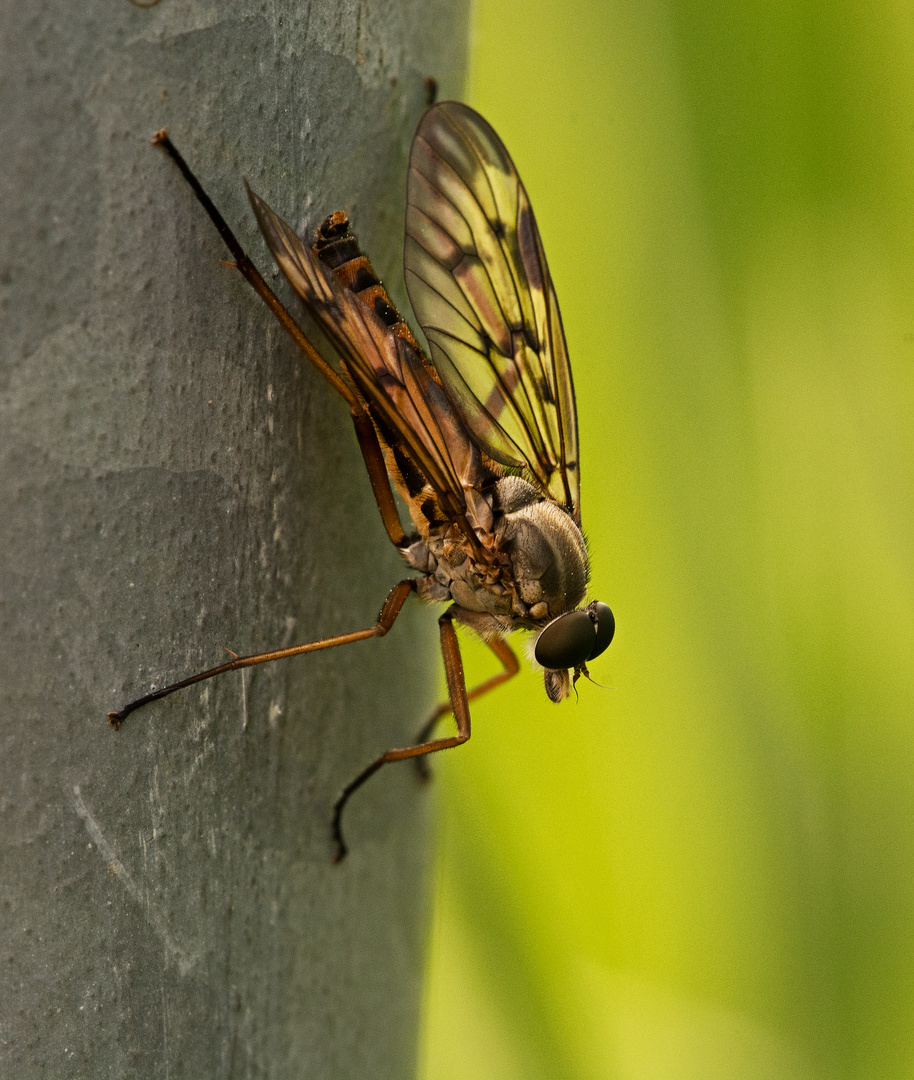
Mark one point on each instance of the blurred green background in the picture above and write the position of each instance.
(707, 870)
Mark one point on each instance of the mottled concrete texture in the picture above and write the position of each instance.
(175, 482)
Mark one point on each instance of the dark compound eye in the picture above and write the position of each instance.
(573, 639)
(605, 625)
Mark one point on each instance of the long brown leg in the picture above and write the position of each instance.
(505, 653)
(252, 275)
(377, 475)
(396, 598)
(459, 705)
(364, 428)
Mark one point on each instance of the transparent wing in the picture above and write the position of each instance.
(391, 375)
(480, 287)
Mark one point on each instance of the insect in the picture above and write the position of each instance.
(479, 435)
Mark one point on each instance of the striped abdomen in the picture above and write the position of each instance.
(339, 250)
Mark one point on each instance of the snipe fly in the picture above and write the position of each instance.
(479, 435)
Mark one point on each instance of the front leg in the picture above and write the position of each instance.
(507, 656)
(458, 704)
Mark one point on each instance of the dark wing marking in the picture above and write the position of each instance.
(389, 373)
(479, 284)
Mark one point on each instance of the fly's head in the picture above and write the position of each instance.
(569, 642)
(551, 570)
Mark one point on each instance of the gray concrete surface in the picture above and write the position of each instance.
(175, 482)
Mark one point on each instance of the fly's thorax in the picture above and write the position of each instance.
(452, 576)
(546, 549)
(536, 571)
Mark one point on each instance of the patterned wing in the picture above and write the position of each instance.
(479, 284)
(389, 373)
